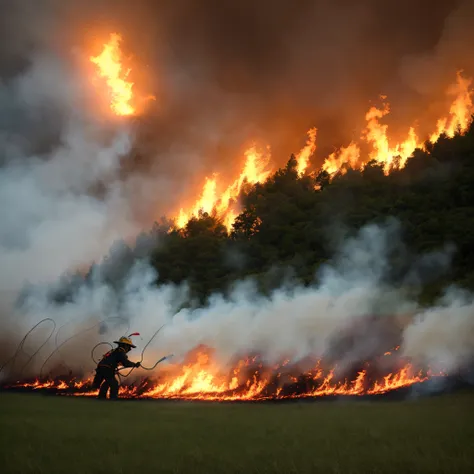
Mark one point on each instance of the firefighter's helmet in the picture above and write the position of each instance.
(125, 340)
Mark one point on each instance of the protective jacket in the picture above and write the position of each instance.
(114, 358)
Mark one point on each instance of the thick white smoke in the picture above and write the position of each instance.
(442, 336)
(294, 322)
(300, 322)
(62, 204)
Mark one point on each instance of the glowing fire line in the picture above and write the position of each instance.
(375, 135)
(197, 383)
(222, 200)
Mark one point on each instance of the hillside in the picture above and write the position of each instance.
(290, 225)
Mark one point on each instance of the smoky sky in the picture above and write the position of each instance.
(226, 73)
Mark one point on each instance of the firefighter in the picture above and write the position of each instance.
(108, 365)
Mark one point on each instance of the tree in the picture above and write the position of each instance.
(286, 222)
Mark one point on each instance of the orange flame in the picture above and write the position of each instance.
(388, 154)
(344, 156)
(382, 153)
(375, 135)
(110, 67)
(202, 380)
(460, 111)
(198, 383)
(254, 171)
(302, 158)
(396, 157)
(382, 149)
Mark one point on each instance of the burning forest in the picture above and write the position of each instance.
(345, 272)
(375, 141)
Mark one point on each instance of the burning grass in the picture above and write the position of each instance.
(61, 434)
(258, 388)
(250, 379)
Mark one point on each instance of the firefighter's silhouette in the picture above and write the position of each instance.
(105, 372)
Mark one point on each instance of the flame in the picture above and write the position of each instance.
(56, 384)
(202, 379)
(205, 203)
(302, 158)
(254, 171)
(221, 199)
(201, 384)
(396, 156)
(109, 67)
(459, 112)
(344, 156)
(389, 155)
(376, 135)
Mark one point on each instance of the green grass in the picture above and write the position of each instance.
(68, 435)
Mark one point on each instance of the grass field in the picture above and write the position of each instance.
(47, 434)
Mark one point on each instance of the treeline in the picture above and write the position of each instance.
(292, 223)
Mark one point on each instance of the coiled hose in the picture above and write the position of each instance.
(75, 335)
(143, 354)
(20, 347)
(22, 342)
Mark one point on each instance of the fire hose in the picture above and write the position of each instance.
(22, 342)
(96, 346)
(20, 347)
(142, 357)
(75, 335)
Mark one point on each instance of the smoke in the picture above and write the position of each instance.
(353, 295)
(227, 73)
(350, 315)
(51, 220)
(425, 71)
(62, 199)
(443, 336)
(73, 181)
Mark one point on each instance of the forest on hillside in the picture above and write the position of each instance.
(290, 225)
